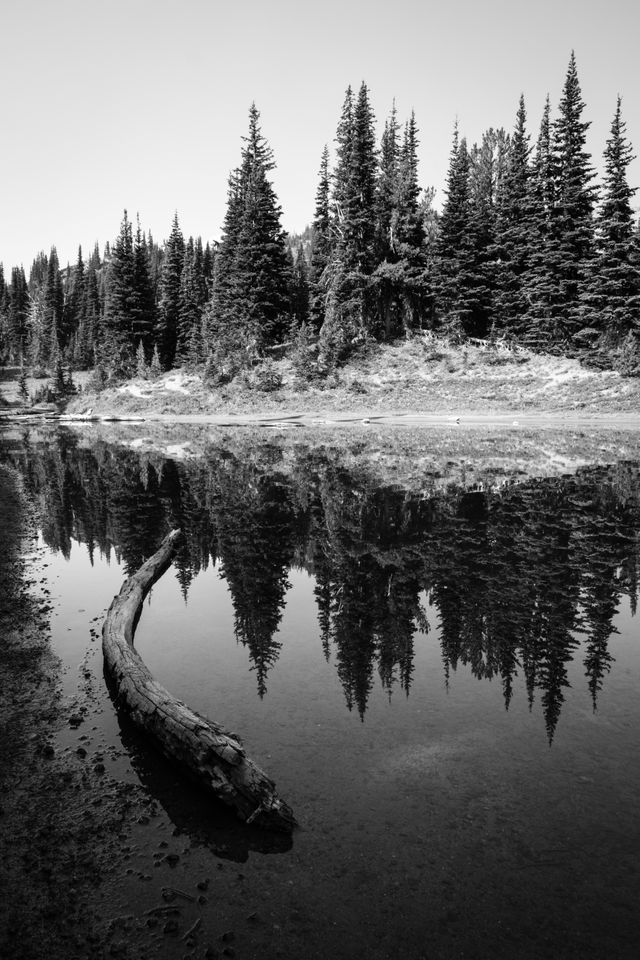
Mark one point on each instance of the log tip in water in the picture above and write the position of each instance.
(199, 746)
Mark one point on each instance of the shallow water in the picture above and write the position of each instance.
(441, 676)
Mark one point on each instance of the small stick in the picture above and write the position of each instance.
(192, 929)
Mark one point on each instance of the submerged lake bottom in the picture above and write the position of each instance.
(429, 641)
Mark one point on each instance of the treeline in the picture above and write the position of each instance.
(527, 247)
(513, 574)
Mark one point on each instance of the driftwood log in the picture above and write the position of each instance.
(200, 747)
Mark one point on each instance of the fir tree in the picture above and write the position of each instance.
(350, 312)
(142, 310)
(54, 307)
(614, 292)
(320, 245)
(572, 220)
(190, 306)
(452, 247)
(400, 281)
(169, 309)
(486, 173)
(117, 349)
(17, 313)
(250, 301)
(512, 251)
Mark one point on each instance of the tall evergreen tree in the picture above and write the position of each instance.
(169, 307)
(250, 301)
(17, 312)
(400, 281)
(142, 310)
(320, 245)
(614, 291)
(117, 347)
(73, 303)
(350, 310)
(486, 173)
(513, 233)
(540, 289)
(54, 308)
(572, 221)
(453, 243)
(188, 343)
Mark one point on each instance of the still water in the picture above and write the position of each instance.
(438, 665)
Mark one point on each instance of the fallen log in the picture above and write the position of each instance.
(199, 746)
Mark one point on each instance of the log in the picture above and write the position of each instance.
(200, 747)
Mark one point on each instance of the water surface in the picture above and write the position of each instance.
(439, 667)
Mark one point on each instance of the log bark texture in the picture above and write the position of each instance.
(199, 746)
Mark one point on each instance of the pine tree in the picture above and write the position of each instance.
(453, 244)
(320, 245)
(116, 347)
(350, 311)
(250, 301)
(512, 251)
(169, 309)
(387, 187)
(142, 310)
(614, 292)
(17, 312)
(486, 173)
(540, 290)
(400, 281)
(54, 307)
(190, 307)
(572, 221)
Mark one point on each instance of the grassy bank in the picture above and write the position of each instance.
(421, 375)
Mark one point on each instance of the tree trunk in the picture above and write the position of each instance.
(200, 747)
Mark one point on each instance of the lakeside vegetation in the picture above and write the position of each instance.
(527, 251)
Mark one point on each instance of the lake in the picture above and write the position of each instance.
(428, 638)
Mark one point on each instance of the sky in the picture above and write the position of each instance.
(142, 104)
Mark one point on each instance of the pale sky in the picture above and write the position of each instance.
(142, 103)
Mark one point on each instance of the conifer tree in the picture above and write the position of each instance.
(142, 310)
(190, 307)
(321, 244)
(400, 280)
(453, 243)
(17, 312)
(117, 349)
(350, 310)
(250, 300)
(614, 292)
(54, 307)
(540, 289)
(486, 173)
(513, 228)
(387, 186)
(572, 221)
(169, 308)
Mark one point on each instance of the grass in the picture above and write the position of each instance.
(423, 375)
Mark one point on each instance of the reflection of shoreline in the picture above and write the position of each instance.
(513, 569)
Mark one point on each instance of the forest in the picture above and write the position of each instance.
(528, 249)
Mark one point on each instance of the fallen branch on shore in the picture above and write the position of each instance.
(200, 747)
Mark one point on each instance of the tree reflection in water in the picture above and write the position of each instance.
(515, 572)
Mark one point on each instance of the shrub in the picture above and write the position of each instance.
(627, 360)
(266, 377)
